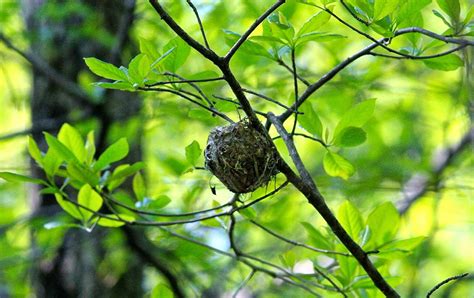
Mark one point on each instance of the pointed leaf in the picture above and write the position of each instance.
(34, 151)
(12, 177)
(139, 186)
(383, 8)
(351, 219)
(310, 120)
(114, 220)
(59, 149)
(104, 69)
(357, 116)
(72, 139)
(350, 136)
(337, 166)
(69, 207)
(383, 223)
(314, 23)
(113, 153)
(446, 63)
(90, 199)
(193, 152)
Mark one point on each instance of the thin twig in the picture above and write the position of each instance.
(184, 81)
(295, 243)
(210, 109)
(439, 285)
(208, 53)
(244, 283)
(353, 14)
(265, 97)
(252, 27)
(419, 57)
(196, 87)
(303, 80)
(295, 88)
(201, 27)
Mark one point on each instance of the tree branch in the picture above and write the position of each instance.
(445, 282)
(198, 18)
(417, 185)
(143, 247)
(252, 27)
(209, 54)
(307, 187)
(69, 87)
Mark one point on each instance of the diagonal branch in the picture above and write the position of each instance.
(69, 87)
(198, 18)
(417, 185)
(306, 185)
(209, 54)
(252, 27)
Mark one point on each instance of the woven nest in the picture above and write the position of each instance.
(242, 158)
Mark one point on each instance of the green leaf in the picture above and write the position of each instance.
(149, 48)
(314, 23)
(114, 220)
(451, 8)
(350, 136)
(318, 37)
(34, 151)
(316, 238)
(310, 120)
(161, 291)
(439, 15)
(121, 173)
(59, 149)
(113, 153)
(89, 198)
(447, 63)
(409, 11)
(51, 163)
(356, 116)
(90, 148)
(383, 222)
(179, 53)
(72, 139)
(383, 8)
(12, 177)
(351, 219)
(405, 245)
(82, 174)
(69, 207)
(159, 202)
(248, 47)
(104, 69)
(337, 166)
(193, 152)
(119, 85)
(139, 188)
(139, 68)
(348, 269)
(248, 212)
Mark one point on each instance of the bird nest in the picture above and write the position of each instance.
(241, 157)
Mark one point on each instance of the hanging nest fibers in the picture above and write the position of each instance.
(242, 158)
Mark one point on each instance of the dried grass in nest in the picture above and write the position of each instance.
(240, 157)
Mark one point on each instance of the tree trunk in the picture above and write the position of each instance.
(62, 33)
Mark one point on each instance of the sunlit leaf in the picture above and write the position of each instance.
(383, 222)
(113, 153)
(337, 166)
(34, 151)
(72, 139)
(447, 63)
(309, 120)
(12, 177)
(193, 152)
(351, 219)
(90, 199)
(104, 69)
(314, 23)
(139, 186)
(114, 220)
(357, 116)
(384, 7)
